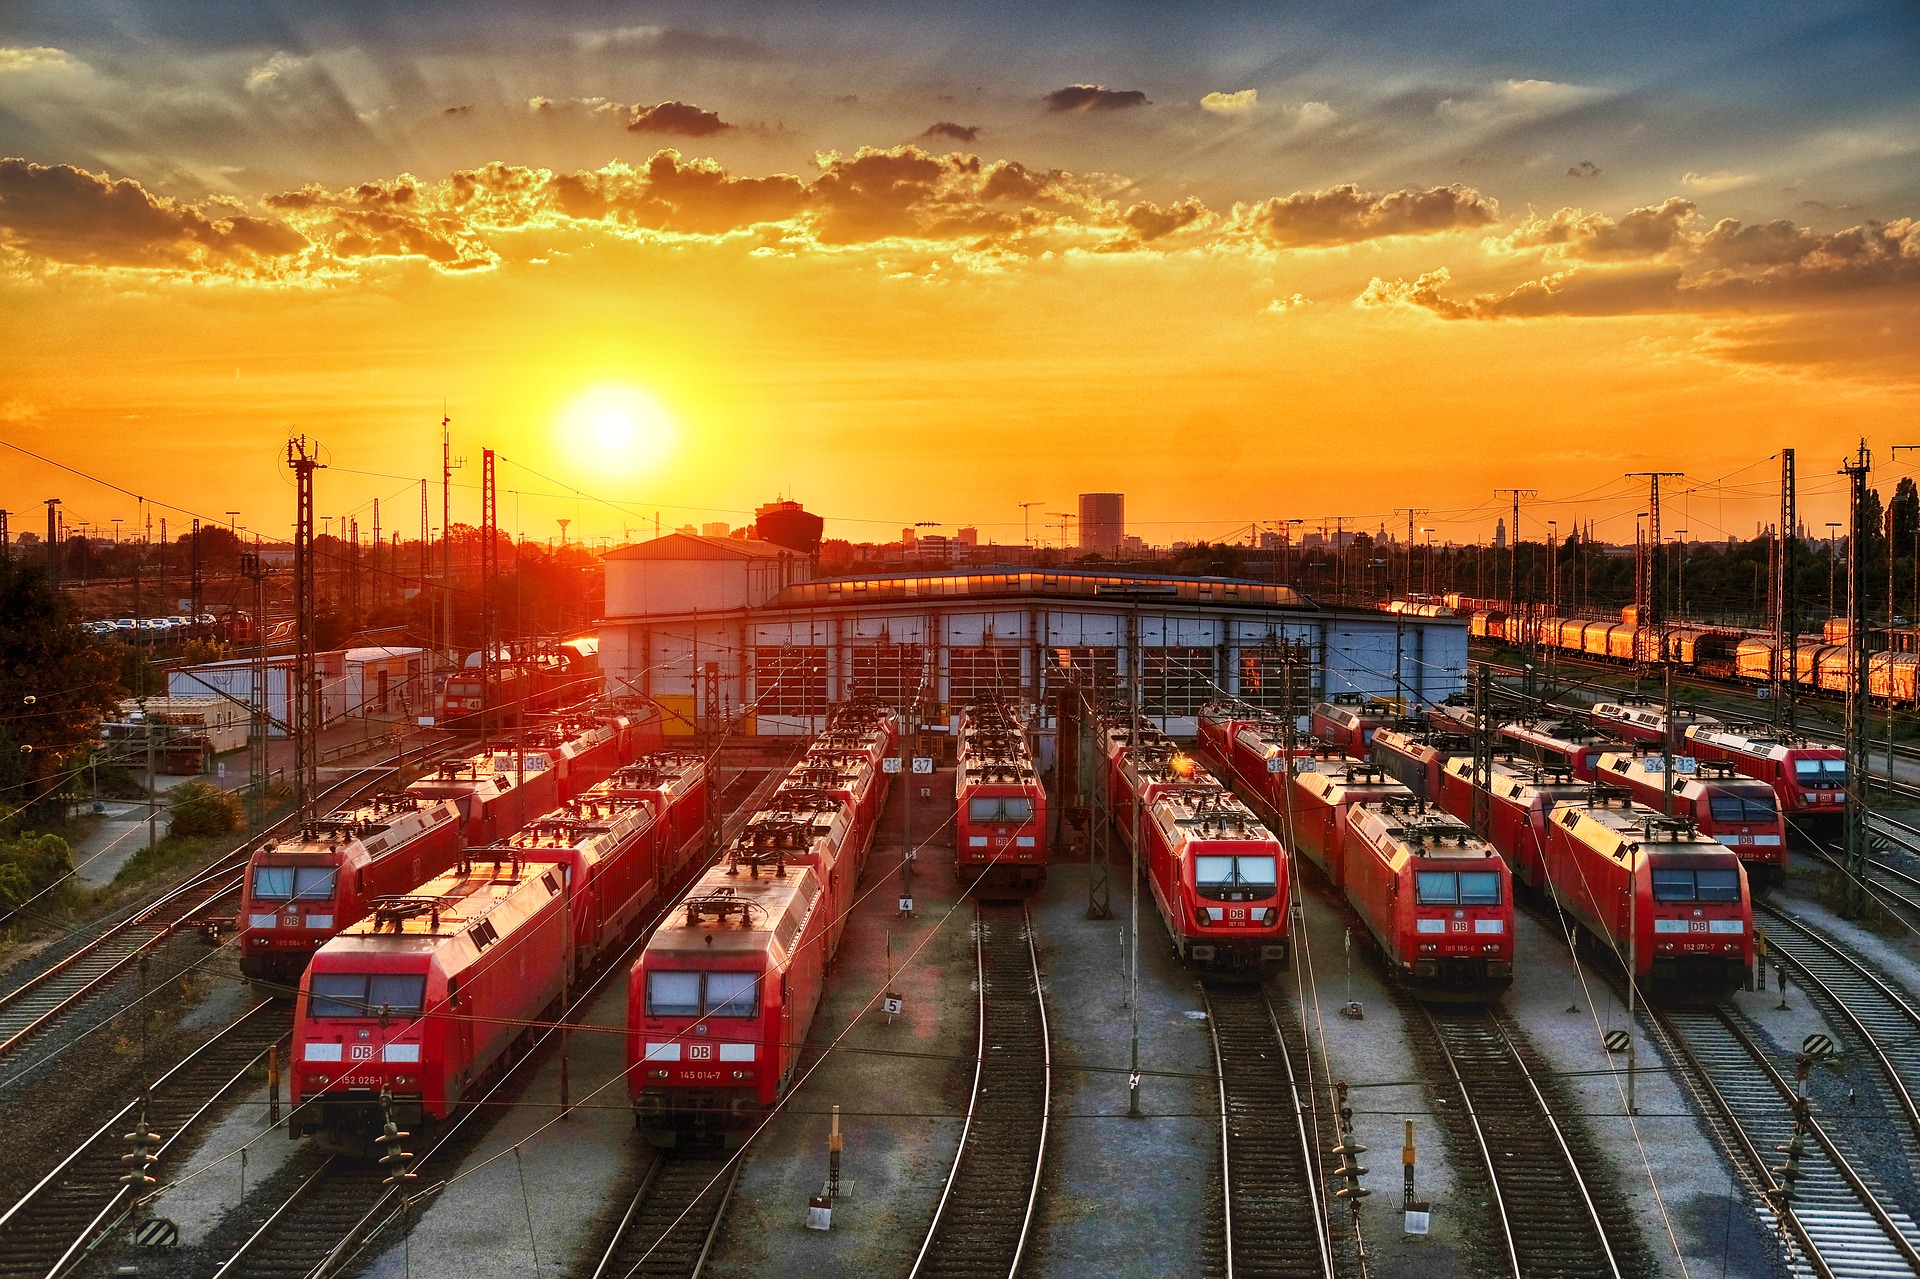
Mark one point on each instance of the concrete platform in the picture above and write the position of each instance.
(535, 1214)
(1374, 1057)
(1125, 1197)
(901, 1087)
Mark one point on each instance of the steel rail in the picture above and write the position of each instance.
(1258, 1103)
(164, 916)
(945, 1250)
(1867, 984)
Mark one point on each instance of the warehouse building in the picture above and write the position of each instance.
(732, 631)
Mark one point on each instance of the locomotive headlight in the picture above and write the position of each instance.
(1270, 916)
(742, 1074)
(659, 1074)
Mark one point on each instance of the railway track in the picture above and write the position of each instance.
(51, 1226)
(42, 1000)
(982, 1223)
(669, 1228)
(1838, 1220)
(1884, 1021)
(1273, 1202)
(1549, 1216)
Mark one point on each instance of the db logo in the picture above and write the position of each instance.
(1236, 912)
(1696, 925)
(700, 1052)
(1458, 925)
(361, 1052)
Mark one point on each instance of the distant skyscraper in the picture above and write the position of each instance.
(1500, 533)
(1103, 522)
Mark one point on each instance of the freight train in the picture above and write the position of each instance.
(720, 1000)
(1668, 902)
(1812, 663)
(1000, 807)
(410, 1011)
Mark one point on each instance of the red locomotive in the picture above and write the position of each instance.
(1258, 765)
(425, 996)
(1437, 899)
(1810, 781)
(674, 785)
(720, 1001)
(1416, 757)
(1520, 795)
(1740, 812)
(1640, 722)
(1562, 743)
(1220, 722)
(1654, 891)
(1221, 882)
(587, 746)
(301, 891)
(1320, 802)
(498, 792)
(1349, 720)
(1000, 807)
(611, 852)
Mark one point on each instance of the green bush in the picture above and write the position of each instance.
(28, 864)
(199, 809)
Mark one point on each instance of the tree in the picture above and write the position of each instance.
(55, 684)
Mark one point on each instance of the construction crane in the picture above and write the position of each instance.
(1065, 518)
(1026, 526)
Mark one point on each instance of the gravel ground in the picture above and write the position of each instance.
(1671, 1172)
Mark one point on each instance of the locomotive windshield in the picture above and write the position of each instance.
(695, 994)
(1235, 878)
(1741, 808)
(366, 994)
(293, 883)
(1818, 772)
(1000, 808)
(1456, 887)
(1677, 885)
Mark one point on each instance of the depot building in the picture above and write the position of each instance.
(727, 632)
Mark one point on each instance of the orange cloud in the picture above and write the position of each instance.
(681, 118)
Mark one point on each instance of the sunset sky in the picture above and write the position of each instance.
(923, 262)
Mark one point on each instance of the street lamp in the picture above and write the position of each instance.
(1680, 572)
(1553, 568)
(233, 523)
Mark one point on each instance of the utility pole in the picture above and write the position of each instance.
(1410, 512)
(489, 565)
(1858, 760)
(1784, 624)
(53, 544)
(260, 723)
(1653, 578)
(305, 704)
(448, 465)
(1530, 626)
(373, 564)
(197, 590)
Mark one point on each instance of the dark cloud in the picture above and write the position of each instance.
(466, 109)
(680, 118)
(1094, 97)
(1148, 221)
(1584, 169)
(948, 129)
(1346, 214)
(65, 214)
